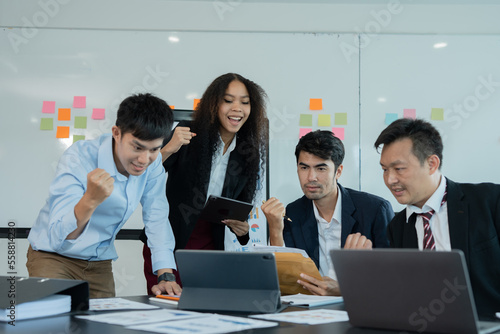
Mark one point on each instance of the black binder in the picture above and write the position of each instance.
(228, 281)
(33, 288)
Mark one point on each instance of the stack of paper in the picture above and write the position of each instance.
(44, 307)
(310, 300)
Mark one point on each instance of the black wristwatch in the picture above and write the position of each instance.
(169, 277)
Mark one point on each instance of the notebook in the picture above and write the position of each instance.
(228, 281)
(406, 289)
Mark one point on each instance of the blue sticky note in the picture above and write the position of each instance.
(390, 117)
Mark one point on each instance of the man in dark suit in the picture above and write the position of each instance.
(465, 216)
(328, 216)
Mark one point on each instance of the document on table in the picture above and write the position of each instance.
(310, 317)
(310, 300)
(206, 324)
(276, 249)
(130, 318)
(108, 304)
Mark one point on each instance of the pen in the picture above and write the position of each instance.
(168, 297)
(284, 215)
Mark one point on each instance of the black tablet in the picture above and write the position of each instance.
(219, 208)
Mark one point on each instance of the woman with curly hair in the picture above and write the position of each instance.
(221, 152)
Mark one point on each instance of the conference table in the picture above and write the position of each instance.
(69, 324)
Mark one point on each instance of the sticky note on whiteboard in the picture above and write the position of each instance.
(47, 124)
(340, 118)
(304, 131)
(437, 114)
(49, 107)
(195, 103)
(306, 120)
(64, 114)
(339, 133)
(79, 102)
(390, 117)
(324, 120)
(315, 104)
(410, 113)
(80, 122)
(62, 132)
(98, 113)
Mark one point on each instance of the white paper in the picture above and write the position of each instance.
(130, 318)
(209, 324)
(276, 249)
(107, 304)
(498, 315)
(310, 317)
(310, 300)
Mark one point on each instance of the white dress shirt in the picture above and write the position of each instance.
(329, 234)
(438, 222)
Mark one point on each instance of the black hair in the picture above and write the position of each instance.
(322, 144)
(145, 116)
(425, 137)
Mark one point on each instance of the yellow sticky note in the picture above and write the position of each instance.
(64, 114)
(195, 103)
(315, 104)
(62, 132)
(324, 120)
(437, 114)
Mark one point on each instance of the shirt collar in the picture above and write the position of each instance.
(230, 148)
(105, 158)
(337, 214)
(433, 203)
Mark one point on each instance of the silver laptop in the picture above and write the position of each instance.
(411, 290)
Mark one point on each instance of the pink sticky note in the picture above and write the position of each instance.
(410, 113)
(98, 113)
(79, 102)
(339, 133)
(304, 131)
(49, 107)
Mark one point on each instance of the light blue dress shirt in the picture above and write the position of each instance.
(57, 218)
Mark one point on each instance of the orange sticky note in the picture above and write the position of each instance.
(64, 114)
(195, 104)
(172, 107)
(62, 132)
(315, 104)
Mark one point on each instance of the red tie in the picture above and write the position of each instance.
(429, 242)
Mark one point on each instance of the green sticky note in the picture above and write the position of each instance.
(80, 122)
(437, 114)
(340, 118)
(77, 138)
(306, 120)
(47, 124)
(324, 120)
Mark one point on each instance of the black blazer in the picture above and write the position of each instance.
(361, 212)
(187, 201)
(474, 224)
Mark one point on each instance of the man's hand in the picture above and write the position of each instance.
(274, 211)
(100, 185)
(170, 288)
(326, 287)
(182, 136)
(238, 227)
(357, 241)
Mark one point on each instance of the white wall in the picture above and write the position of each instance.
(405, 17)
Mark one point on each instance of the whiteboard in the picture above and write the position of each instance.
(105, 66)
(407, 72)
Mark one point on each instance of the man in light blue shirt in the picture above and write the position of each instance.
(98, 185)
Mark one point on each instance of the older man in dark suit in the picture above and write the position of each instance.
(442, 214)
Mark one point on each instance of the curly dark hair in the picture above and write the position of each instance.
(252, 138)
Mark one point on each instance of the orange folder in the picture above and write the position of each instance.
(290, 266)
